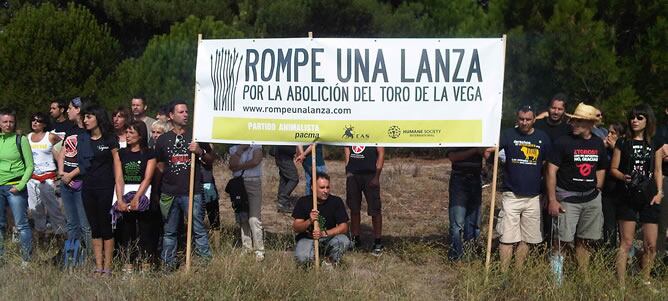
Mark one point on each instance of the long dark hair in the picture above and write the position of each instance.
(43, 117)
(650, 126)
(102, 117)
(125, 113)
(140, 128)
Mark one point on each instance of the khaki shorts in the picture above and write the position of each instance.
(581, 220)
(519, 219)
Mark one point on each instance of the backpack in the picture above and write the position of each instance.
(238, 194)
(18, 146)
(74, 254)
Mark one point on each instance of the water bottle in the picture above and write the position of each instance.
(557, 264)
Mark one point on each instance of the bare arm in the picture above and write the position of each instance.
(346, 151)
(658, 176)
(118, 174)
(235, 160)
(554, 207)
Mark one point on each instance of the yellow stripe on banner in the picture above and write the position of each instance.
(348, 131)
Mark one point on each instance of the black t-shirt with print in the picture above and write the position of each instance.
(362, 160)
(332, 213)
(134, 164)
(172, 150)
(70, 149)
(101, 172)
(578, 160)
(524, 160)
(635, 156)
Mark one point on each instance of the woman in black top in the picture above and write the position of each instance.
(98, 186)
(633, 157)
(138, 229)
(616, 132)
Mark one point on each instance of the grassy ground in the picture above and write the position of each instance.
(414, 266)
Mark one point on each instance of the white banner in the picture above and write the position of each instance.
(389, 92)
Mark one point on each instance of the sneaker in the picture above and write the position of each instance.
(259, 256)
(377, 250)
(326, 266)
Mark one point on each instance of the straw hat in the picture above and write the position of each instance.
(584, 112)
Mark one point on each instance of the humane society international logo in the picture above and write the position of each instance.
(225, 65)
(394, 132)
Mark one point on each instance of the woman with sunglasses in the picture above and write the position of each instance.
(98, 184)
(42, 199)
(139, 225)
(16, 166)
(636, 158)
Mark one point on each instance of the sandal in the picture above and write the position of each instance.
(106, 273)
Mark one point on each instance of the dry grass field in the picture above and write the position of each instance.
(413, 267)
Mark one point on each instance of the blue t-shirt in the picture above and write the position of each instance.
(524, 160)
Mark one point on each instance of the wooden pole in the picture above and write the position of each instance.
(316, 243)
(193, 163)
(490, 230)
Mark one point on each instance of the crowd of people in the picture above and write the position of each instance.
(119, 184)
(573, 185)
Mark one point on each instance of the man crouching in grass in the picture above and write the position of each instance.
(332, 221)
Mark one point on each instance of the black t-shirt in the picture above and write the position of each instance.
(554, 131)
(134, 164)
(524, 160)
(70, 148)
(635, 156)
(101, 172)
(285, 152)
(362, 160)
(578, 160)
(472, 164)
(172, 150)
(61, 128)
(332, 213)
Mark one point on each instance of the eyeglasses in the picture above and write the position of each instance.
(37, 120)
(638, 117)
(179, 142)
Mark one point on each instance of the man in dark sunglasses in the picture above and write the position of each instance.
(174, 150)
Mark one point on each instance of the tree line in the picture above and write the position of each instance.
(609, 53)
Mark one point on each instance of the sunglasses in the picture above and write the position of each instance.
(37, 120)
(179, 142)
(76, 102)
(638, 117)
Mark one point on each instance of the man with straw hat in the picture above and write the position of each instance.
(575, 175)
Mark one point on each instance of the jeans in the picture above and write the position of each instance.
(169, 241)
(77, 222)
(43, 202)
(464, 210)
(289, 178)
(18, 203)
(307, 175)
(334, 247)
